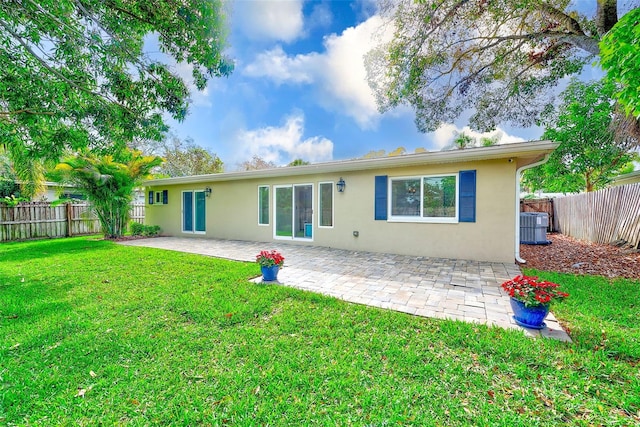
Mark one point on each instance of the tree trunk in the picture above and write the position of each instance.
(588, 182)
(606, 15)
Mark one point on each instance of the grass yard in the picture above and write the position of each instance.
(94, 333)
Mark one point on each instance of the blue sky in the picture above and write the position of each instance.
(299, 89)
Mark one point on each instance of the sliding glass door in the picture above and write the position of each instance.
(193, 212)
(284, 212)
(293, 206)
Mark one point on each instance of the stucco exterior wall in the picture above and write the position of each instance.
(232, 213)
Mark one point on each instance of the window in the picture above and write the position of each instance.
(159, 197)
(74, 196)
(405, 197)
(326, 204)
(263, 205)
(427, 198)
(439, 197)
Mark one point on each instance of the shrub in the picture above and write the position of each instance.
(138, 229)
(12, 201)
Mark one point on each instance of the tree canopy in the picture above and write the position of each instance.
(589, 154)
(184, 158)
(298, 162)
(74, 74)
(620, 56)
(256, 163)
(499, 58)
(8, 180)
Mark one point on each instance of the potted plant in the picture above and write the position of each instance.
(270, 263)
(531, 298)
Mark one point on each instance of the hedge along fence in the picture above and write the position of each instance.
(36, 220)
(604, 216)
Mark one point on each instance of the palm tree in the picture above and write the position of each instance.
(108, 182)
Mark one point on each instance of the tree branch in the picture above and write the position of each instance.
(569, 23)
(27, 111)
(132, 57)
(57, 73)
(606, 15)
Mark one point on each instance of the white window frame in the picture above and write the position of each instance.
(268, 187)
(158, 199)
(333, 204)
(275, 206)
(434, 220)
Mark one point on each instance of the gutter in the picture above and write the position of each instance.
(518, 175)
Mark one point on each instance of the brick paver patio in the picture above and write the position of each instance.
(431, 287)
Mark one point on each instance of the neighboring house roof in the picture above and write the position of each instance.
(526, 152)
(627, 178)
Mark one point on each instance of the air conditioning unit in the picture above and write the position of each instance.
(533, 228)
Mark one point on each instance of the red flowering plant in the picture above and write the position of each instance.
(532, 292)
(270, 258)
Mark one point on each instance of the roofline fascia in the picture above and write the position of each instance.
(626, 176)
(516, 150)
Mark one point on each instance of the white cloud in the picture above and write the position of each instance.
(270, 20)
(282, 144)
(338, 72)
(320, 16)
(277, 66)
(443, 137)
(345, 77)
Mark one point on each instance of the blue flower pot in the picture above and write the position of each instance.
(270, 274)
(529, 317)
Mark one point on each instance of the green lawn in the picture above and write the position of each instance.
(94, 333)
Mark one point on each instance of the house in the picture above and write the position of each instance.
(55, 191)
(627, 178)
(460, 204)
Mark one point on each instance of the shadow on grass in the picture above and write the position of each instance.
(28, 250)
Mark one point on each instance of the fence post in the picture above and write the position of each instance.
(69, 219)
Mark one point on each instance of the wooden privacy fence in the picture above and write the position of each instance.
(34, 220)
(540, 205)
(605, 216)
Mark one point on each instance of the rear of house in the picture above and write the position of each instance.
(452, 204)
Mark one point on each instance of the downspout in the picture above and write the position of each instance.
(518, 175)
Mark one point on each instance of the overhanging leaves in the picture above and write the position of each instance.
(501, 59)
(73, 73)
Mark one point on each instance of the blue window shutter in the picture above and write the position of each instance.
(150, 197)
(467, 198)
(165, 197)
(380, 206)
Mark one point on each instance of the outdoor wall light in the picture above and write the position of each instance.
(341, 184)
(207, 191)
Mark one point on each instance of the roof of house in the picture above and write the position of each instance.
(628, 178)
(527, 152)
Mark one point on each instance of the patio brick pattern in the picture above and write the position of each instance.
(430, 287)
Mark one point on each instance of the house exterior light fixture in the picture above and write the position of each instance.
(207, 191)
(341, 184)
